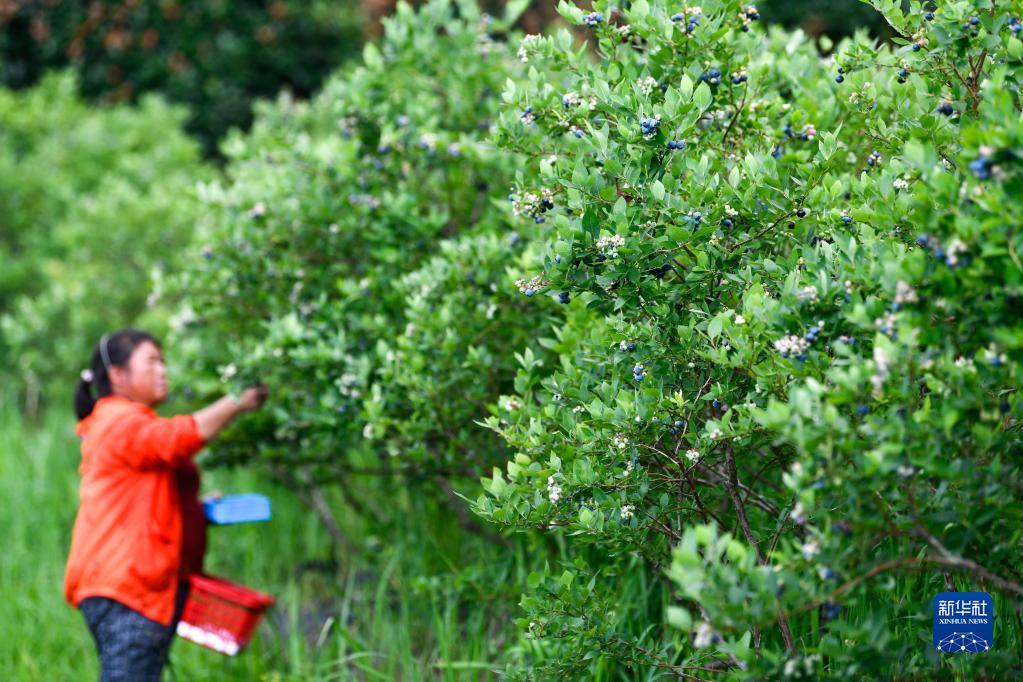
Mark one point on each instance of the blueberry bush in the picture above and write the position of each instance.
(730, 333)
(354, 259)
(786, 383)
(95, 203)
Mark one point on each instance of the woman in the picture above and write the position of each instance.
(140, 528)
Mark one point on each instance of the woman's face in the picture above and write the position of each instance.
(144, 379)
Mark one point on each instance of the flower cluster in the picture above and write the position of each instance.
(807, 294)
(553, 490)
(904, 293)
(608, 245)
(529, 44)
(533, 204)
(692, 454)
(627, 511)
(531, 286)
(646, 84)
(791, 345)
(619, 440)
(705, 635)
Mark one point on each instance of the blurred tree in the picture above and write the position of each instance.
(215, 56)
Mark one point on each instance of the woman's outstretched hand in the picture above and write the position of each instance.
(213, 418)
(252, 398)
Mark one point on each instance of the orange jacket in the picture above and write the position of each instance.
(126, 542)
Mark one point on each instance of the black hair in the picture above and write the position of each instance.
(112, 349)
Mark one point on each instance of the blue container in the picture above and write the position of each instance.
(229, 509)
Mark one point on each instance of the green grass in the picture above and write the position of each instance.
(394, 610)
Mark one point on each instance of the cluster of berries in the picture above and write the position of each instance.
(638, 372)
(649, 126)
(982, 166)
(692, 22)
(840, 77)
(874, 159)
(903, 74)
(711, 76)
(1014, 25)
(676, 144)
(739, 76)
(748, 15)
(593, 19)
(533, 204)
(971, 26)
(953, 256)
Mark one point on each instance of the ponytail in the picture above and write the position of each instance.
(112, 349)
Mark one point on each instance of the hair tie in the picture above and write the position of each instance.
(87, 376)
(104, 353)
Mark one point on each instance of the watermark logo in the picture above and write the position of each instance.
(964, 622)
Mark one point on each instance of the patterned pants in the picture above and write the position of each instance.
(132, 648)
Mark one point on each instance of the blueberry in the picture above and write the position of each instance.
(801, 213)
(974, 21)
(846, 219)
(564, 297)
(724, 343)
(678, 16)
(921, 240)
(862, 410)
(726, 222)
(841, 70)
(839, 78)
(916, 47)
(681, 423)
(903, 73)
(929, 16)
(716, 404)
(630, 347)
(791, 225)
(776, 153)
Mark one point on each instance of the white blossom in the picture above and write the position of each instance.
(609, 245)
(627, 511)
(807, 293)
(810, 549)
(704, 635)
(646, 84)
(692, 454)
(553, 490)
(791, 345)
(904, 293)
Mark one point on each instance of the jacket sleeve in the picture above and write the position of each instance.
(159, 441)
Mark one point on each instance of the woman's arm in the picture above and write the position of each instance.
(212, 419)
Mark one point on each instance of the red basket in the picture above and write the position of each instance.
(221, 615)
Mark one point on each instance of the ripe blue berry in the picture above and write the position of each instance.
(716, 404)
(929, 16)
(564, 297)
